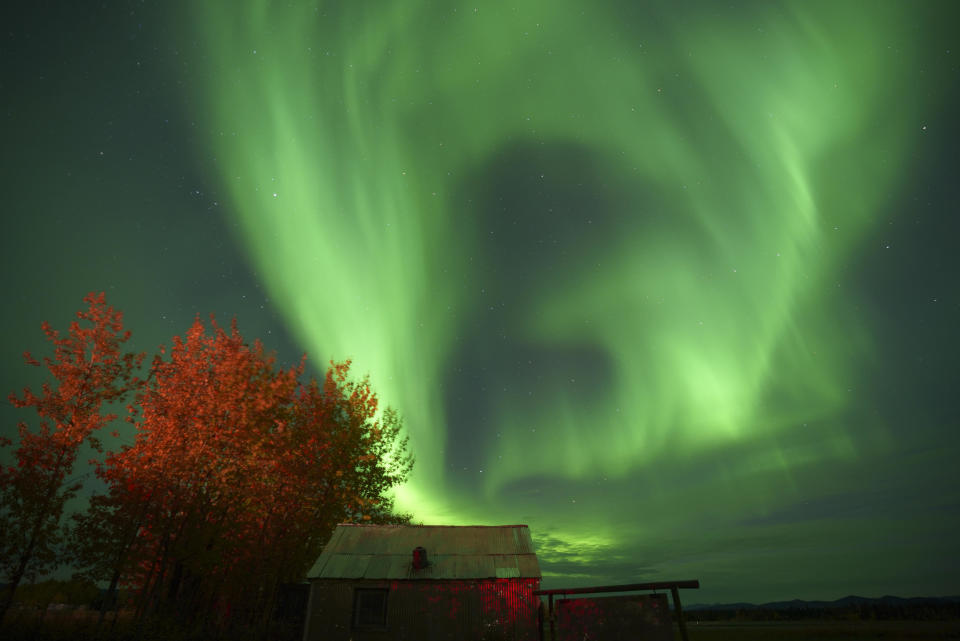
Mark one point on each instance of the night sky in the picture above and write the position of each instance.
(676, 284)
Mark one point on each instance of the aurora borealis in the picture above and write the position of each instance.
(674, 284)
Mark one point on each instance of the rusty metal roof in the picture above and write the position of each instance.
(453, 552)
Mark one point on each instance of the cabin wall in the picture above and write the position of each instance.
(443, 610)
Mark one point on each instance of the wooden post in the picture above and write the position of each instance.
(679, 609)
(553, 630)
(540, 619)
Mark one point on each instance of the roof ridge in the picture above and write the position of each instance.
(391, 525)
(406, 554)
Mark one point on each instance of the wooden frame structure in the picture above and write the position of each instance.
(673, 586)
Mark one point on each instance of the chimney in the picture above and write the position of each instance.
(419, 558)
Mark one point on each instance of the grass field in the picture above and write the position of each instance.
(81, 625)
(821, 630)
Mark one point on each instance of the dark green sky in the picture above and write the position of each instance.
(673, 283)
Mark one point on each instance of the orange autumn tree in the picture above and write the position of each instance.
(237, 477)
(88, 370)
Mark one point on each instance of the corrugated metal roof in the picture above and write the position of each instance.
(454, 552)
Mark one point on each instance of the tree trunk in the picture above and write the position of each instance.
(118, 568)
(55, 482)
(15, 580)
(110, 595)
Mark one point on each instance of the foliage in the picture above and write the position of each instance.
(89, 370)
(238, 474)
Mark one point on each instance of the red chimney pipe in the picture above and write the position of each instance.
(419, 558)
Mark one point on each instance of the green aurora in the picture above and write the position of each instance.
(605, 258)
(747, 157)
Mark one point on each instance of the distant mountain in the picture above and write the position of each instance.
(847, 601)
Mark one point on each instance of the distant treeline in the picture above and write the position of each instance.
(914, 610)
(76, 592)
(69, 610)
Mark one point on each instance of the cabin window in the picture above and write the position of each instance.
(370, 608)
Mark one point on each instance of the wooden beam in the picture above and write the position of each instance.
(630, 587)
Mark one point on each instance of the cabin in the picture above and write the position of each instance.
(424, 583)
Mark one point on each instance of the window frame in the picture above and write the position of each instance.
(359, 594)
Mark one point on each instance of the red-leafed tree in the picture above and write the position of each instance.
(237, 477)
(88, 370)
